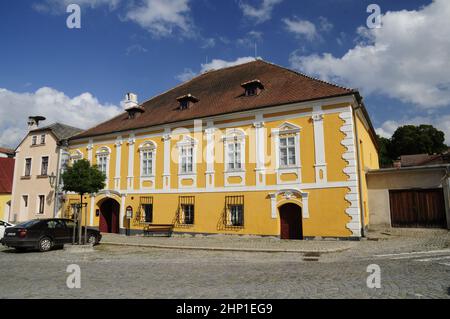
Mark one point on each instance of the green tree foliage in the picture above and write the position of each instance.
(410, 140)
(422, 139)
(384, 147)
(82, 178)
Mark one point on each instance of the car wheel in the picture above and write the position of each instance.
(92, 240)
(45, 244)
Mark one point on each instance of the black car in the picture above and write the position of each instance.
(45, 234)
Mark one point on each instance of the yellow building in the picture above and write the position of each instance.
(251, 149)
(6, 181)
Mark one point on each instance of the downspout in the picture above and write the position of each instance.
(58, 175)
(358, 151)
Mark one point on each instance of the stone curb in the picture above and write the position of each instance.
(250, 250)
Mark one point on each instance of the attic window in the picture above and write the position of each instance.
(253, 87)
(186, 101)
(134, 112)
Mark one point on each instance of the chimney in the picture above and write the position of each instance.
(131, 101)
(33, 122)
(132, 106)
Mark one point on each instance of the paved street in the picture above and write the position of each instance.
(416, 265)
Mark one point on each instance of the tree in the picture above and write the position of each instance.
(410, 139)
(384, 147)
(82, 178)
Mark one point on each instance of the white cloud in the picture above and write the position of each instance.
(162, 17)
(442, 123)
(407, 58)
(59, 6)
(250, 39)
(136, 48)
(325, 25)
(81, 111)
(215, 64)
(301, 28)
(259, 14)
(208, 43)
(186, 75)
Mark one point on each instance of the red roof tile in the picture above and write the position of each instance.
(6, 175)
(220, 92)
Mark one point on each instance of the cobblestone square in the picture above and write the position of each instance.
(413, 265)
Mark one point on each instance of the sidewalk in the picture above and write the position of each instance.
(231, 243)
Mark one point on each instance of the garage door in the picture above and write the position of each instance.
(418, 208)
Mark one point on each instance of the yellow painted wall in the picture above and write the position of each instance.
(4, 198)
(327, 217)
(369, 160)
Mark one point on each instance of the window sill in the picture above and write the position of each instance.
(42, 176)
(37, 145)
(231, 171)
(188, 174)
(281, 168)
(25, 177)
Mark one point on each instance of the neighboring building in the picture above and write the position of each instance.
(410, 196)
(6, 152)
(423, 159)
(38, 157)
(250, 149)
(6, 181)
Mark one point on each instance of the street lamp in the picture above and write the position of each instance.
(52, 180)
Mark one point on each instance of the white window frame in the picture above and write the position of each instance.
(25, 167)
(187, 141)
(76, 156)
(48, 165)
(104, 152)
(234, 136)
(42, 139)
(285, 130)
(34, 140)
(147, 147)
(38, 206)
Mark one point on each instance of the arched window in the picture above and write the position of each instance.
(103, 155)
(75, 156)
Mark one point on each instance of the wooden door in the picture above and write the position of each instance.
(417, 208)
(109, 217)
(291, 222)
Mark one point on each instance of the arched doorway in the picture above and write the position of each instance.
(109, 216)
(291, 221)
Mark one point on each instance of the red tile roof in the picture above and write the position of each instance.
(6, 175)
(220, 92)
(7, 151)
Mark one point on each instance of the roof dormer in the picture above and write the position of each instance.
(253, 87)
(186, 101)
(132, 106)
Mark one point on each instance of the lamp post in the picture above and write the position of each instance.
(52, 180)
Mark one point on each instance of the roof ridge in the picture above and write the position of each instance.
(310, 77)
(196, 77)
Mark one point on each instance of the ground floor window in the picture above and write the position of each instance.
(237, 215)
(234, 211)
(188, 214)
(186, 211)
(41, 204)
(148, 213)
(145, 211)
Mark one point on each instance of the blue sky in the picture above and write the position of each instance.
(79, 76)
